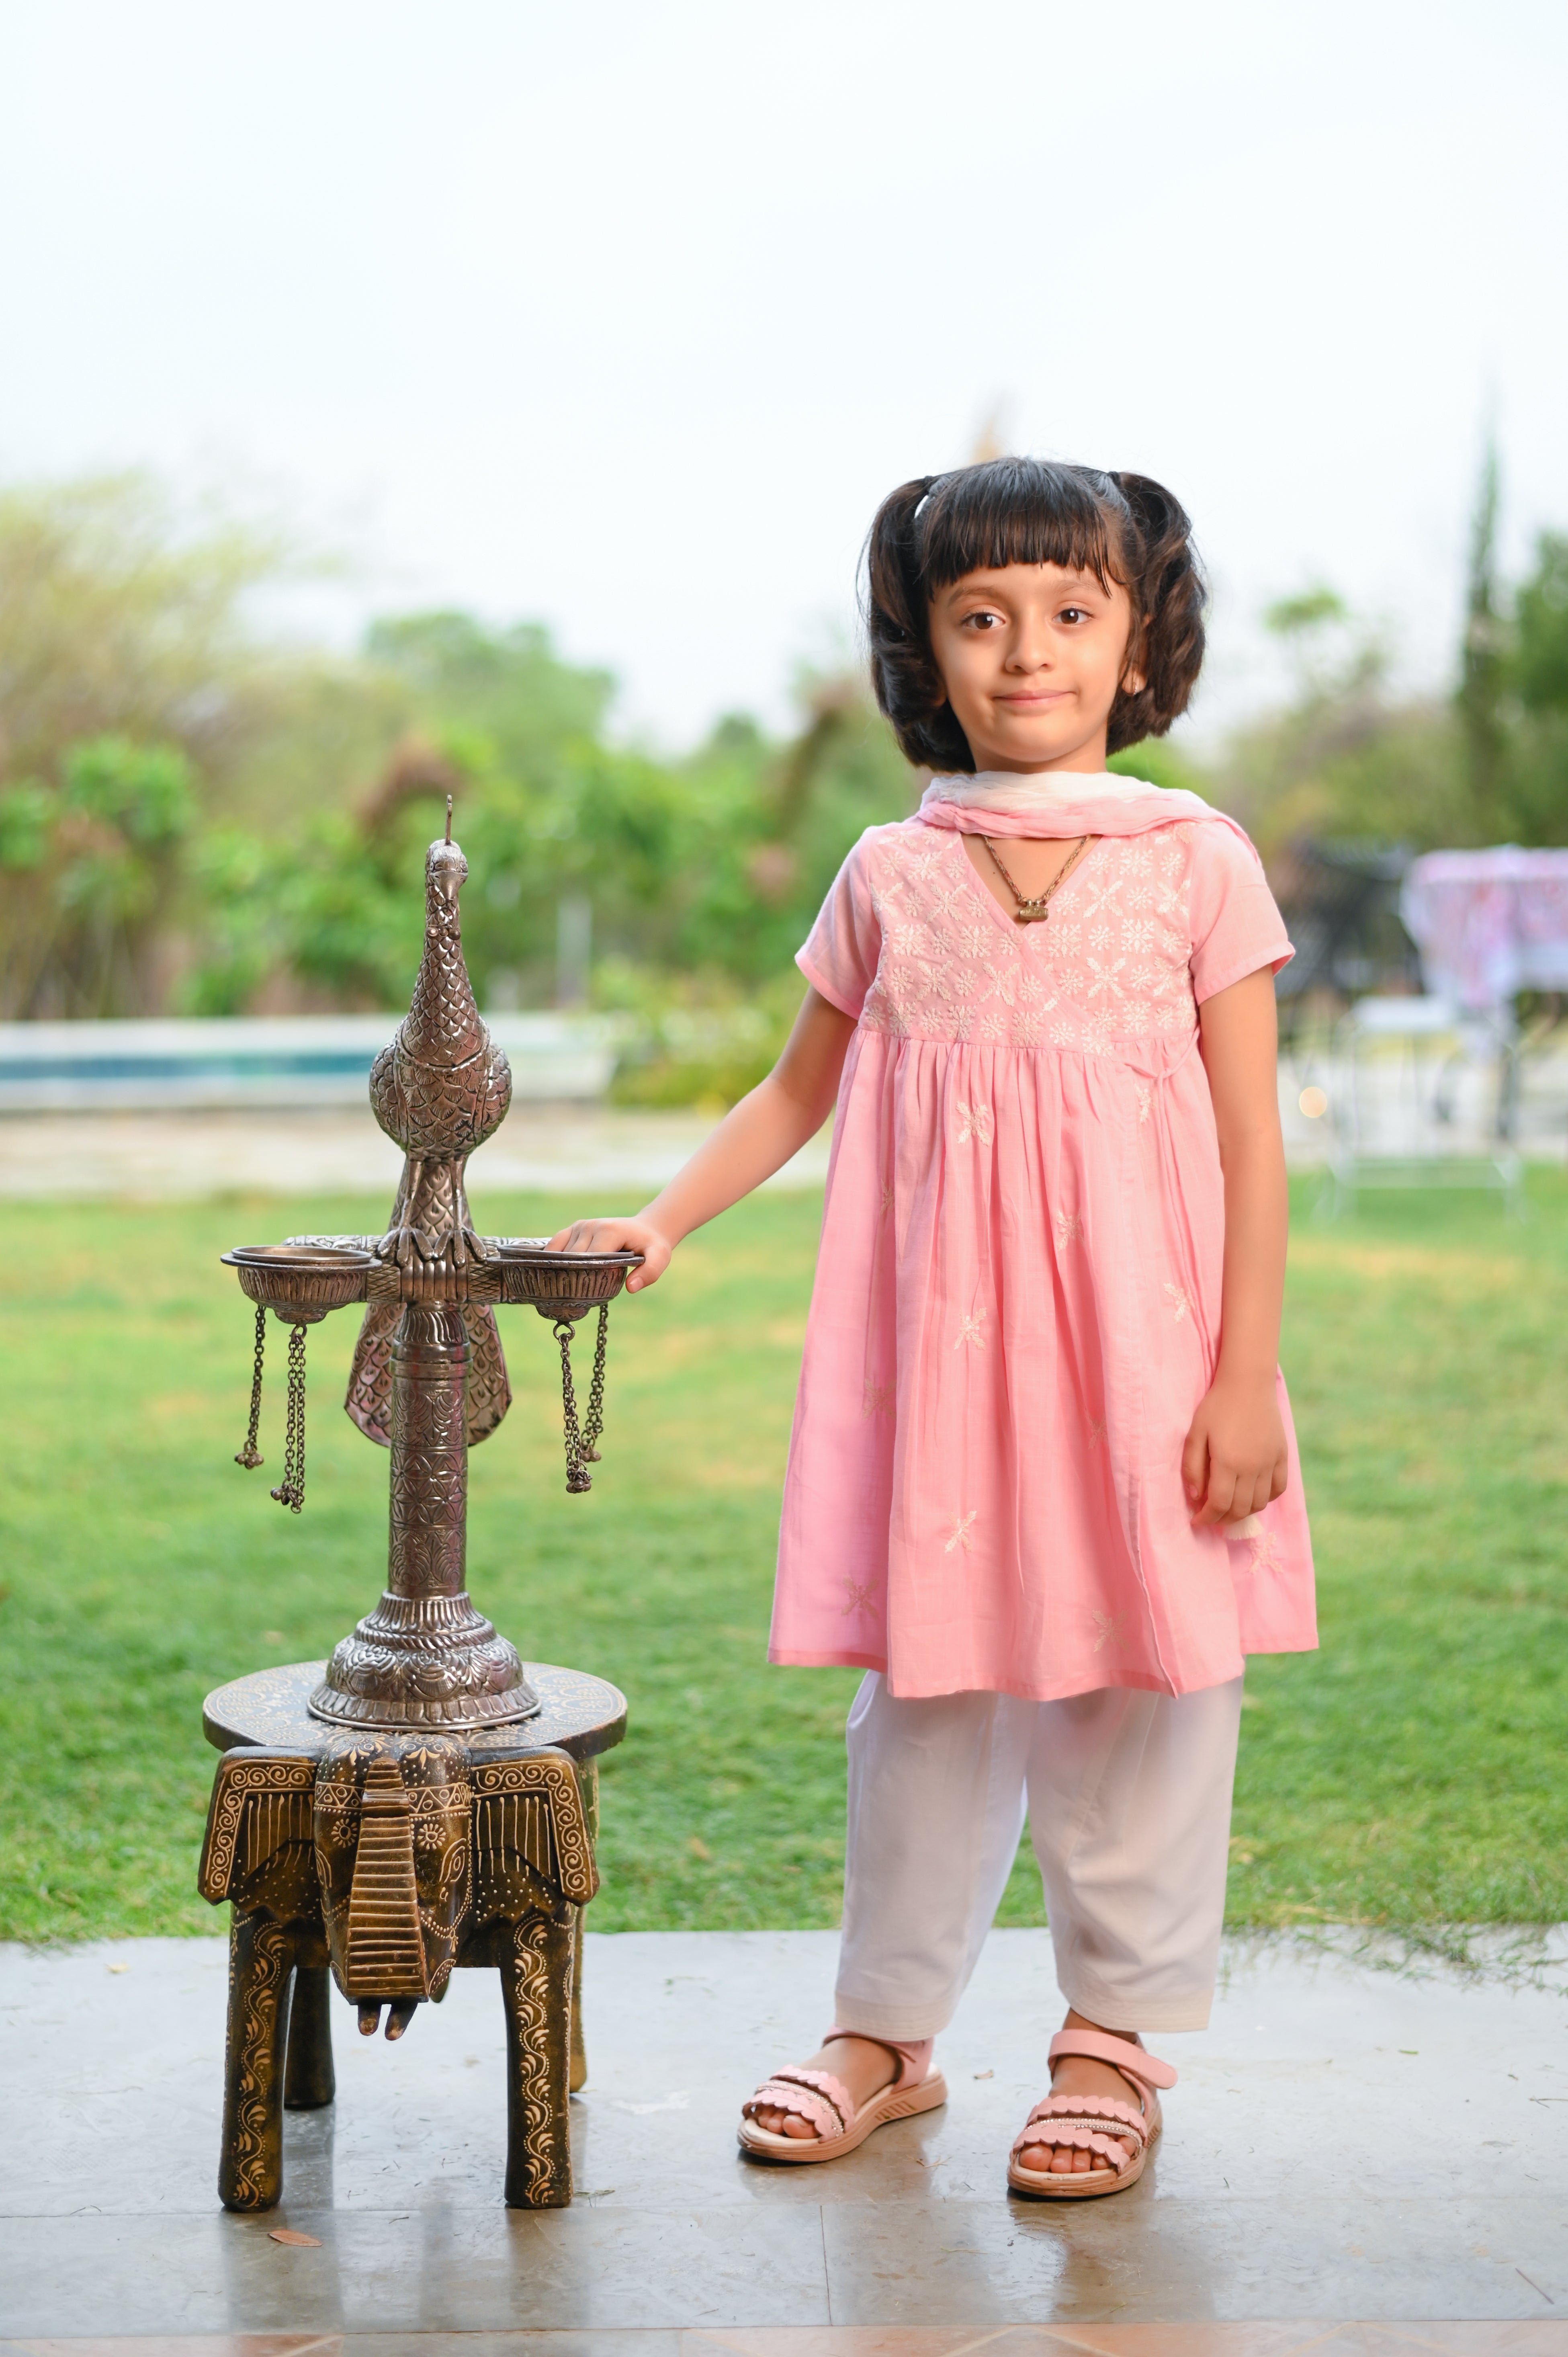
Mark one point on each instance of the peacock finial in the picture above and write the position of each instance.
(440, 1086)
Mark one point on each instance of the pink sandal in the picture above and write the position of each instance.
(1098, 2124)
(826, 2102)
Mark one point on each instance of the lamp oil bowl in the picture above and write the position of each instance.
(561, 1284)
(301, 1284)
(429, 1378)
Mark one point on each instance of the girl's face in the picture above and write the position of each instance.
(1032, 657)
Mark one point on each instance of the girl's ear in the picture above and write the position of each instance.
(1135, 680)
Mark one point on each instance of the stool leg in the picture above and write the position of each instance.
(536, 1990)
(588, 1786)
(579, 2074)
(260, 1959)
(310, 2080)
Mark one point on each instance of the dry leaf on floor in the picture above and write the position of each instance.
(287, 2234)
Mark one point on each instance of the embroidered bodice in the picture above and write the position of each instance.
(1110, 964)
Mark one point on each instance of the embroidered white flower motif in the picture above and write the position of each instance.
(1179, 1300)
(974, 1122)
(1063, 1036)
(969, 1331)
(1105, 977)
(961, 1525)
(1264, 1549)
(1109, 1627)
(1069, 1227)
(1097, 1432)
(861, 1598)
(875, 1398)
(1145, 1099)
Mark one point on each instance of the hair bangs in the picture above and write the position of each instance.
(1019, 511)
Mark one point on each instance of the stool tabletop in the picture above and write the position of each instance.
(581, 1715)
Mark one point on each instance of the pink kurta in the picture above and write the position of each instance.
(1017, 1295)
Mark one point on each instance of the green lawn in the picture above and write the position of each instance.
(1412, 1773)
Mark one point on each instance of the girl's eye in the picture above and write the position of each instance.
(1073, 614)
(981, 621)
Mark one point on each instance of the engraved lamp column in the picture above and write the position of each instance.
(429, 1378)
(426, 1657)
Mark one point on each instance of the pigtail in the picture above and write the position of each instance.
(1169, 594)
(908, 684)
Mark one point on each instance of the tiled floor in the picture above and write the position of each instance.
(1344, 2144)
(1321, 2340)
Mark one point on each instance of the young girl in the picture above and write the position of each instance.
(1042, 1485)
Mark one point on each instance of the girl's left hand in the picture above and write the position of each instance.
(1234, 1463)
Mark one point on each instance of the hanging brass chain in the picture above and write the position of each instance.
(581, 1439)
(596, 1424)
(577, 1475)
(290, 1490)
(251, 1455)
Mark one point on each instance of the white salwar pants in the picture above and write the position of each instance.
(1128, 1796)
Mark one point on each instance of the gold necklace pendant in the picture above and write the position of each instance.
(1036, 911)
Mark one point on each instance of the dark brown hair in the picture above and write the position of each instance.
(930, 532)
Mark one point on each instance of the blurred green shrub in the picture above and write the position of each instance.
(199, 815)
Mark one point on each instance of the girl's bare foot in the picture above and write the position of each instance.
(1078, 2074)
(864, 2068)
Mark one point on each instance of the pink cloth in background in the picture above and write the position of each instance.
(1488, 922)
(1018, 1295)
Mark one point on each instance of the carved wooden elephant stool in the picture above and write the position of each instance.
(387, 1860)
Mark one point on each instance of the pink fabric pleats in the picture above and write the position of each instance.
(1017, 1298)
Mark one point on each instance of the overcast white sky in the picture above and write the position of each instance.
(625, 316)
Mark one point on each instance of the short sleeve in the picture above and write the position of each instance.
(842, 948)
(1235, 926)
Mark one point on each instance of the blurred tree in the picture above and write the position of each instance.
(193, 813)
(1540, 670)
(1345, 758)
(88, 867)
(1536, 681)
(140, 705)
(1482, 660)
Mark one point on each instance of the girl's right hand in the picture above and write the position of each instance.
(619, 1235)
